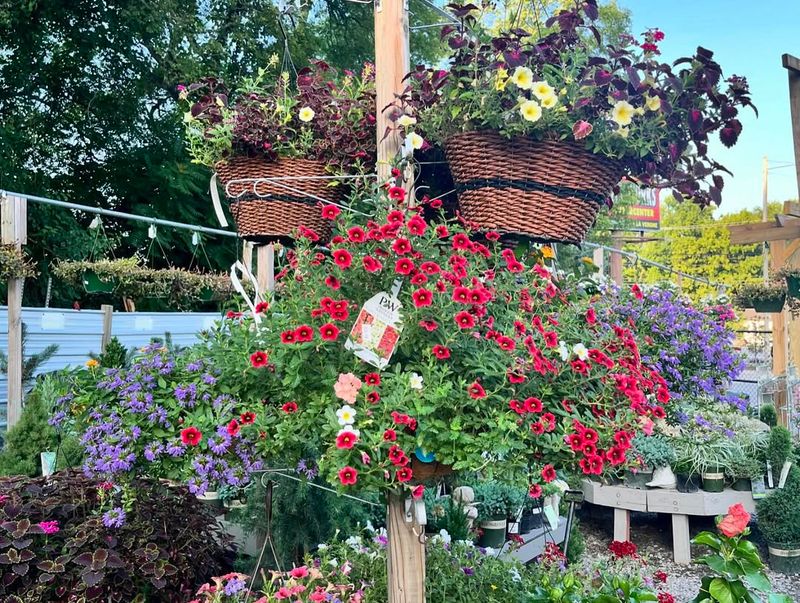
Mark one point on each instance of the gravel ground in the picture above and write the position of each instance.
(653, 536)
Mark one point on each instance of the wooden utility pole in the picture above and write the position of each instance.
(406, 557)
(14, 231)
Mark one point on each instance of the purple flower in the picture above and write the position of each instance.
(234, 585)
(49, 527)
(468, 571)
(114, 518)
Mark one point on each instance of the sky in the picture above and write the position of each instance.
(748, 38)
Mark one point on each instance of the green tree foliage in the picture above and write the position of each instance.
(88, 106)
(694, 241)
(31, 363)
(33, 434)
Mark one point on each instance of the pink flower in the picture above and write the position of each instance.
(582, 129)
(49, 527)
(299, 572)
(346, 388)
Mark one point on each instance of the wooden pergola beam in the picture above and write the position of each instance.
(759, 232)
(792, 65)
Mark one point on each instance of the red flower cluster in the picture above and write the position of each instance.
(622, 549)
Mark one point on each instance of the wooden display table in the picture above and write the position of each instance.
(678, 504)
(535, 541)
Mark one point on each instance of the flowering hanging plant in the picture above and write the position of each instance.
(319, 115)
(620, 102)
(498, 367)
(167, 416)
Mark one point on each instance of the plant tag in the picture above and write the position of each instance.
(758, 487)
(770, 483)
(377, 330)
(784, 474)
(552, 516)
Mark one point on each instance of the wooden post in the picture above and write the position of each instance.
(406, 559)
(392, 63)
(681, 545)
(616, 258)
(14, 217)
(599, 259)
(765, 216)
(792, 65)
(247, 255)
(777, 254)
(266, 268)
(622, 525)
(108, 317)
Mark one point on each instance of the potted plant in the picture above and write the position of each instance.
(779, 521)
(779, 450)
(655, 453)
(274, 142)
(539, 130)
(494, 506)
(792, 278)
(708, 457)
(685, 479)
(15, 263)
(742, 470)
(762, 297)
(531, 515)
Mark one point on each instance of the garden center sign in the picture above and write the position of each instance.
(646, 213)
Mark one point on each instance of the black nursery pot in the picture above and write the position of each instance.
(687, 483)
(531, 520)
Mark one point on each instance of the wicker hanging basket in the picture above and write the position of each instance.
(267, 212)
(548, 191)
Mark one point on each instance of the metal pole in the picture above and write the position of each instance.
(765, 216)
(118, 214)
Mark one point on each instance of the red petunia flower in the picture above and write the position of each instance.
(461, 295)
(332, 282)
(419, 279)
(262, 307)
(537, 428)
(342, 258)
(329, 332)
(348, 476)
(533, 404)
(259, 359)
(397, 193)
(390, 435)
(396, 217)
(191, 436)
(506, 343)
(416, 226)
(514, 377)
(330, 212)
(247, 418)
(401, 246)
(373, 397)
(659, 413)
(371, 264)
(492, 236)
(422, 297)
(591, 316)
(461, 241)
(288, 337)
(289, 407)
(441, 352)
(404, 266)
(233, 427)
(397, 456)
(535, 491)
(615, 455)
(304, 333)
(637, 292)
(662, 395)
(429, 267)
(476, 391)
(464, 320)
(356, 235)
(346, 440)
(429, 325)
(442, 231)
(373, 379)
(307, 233)
(404, 474)
(660, 576)
(548, 473)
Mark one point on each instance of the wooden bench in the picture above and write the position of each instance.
(680, 505)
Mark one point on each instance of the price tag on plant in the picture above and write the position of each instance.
(377, 330)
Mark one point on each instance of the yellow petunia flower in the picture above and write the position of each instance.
(306, 114)
(522, 78)
(548, 102)
(530, 110)
(542, 90)
(406, 120)
(653, 103)
(622, 113)
(548, 253)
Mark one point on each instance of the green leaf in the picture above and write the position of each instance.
(776, 598)
(721, 591)
(162, 383)
(758, 581)
(708, 539)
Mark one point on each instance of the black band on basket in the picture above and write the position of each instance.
(531, 185)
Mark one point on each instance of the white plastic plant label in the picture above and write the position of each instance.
(377, 330)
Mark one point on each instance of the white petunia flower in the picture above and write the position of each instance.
(406, 120)
(346, 415)
(349, 429)
(563, 350)
(306, 114)
(580, 351)
(415, 381)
